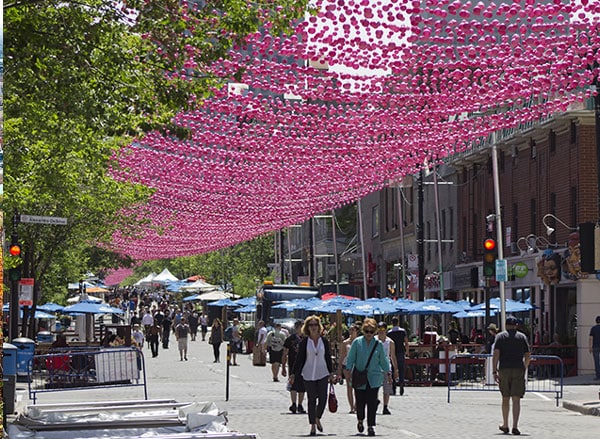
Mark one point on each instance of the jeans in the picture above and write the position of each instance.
(316, 392)
(596, 355)
(368, 398)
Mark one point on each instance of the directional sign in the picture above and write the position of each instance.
(32, 219)
(501, 270)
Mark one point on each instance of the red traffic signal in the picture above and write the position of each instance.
(14, 250)
(489, 244)
(489, 258)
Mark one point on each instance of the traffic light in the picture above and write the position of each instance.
(14, 250)
(490, 254)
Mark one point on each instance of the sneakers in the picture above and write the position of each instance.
(293, 408)
(301, 409)
(401, 390)
(370, 431)
(386, 411)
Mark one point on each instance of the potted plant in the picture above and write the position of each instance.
(249, 336)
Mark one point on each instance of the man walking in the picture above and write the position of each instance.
(398, 335)
(388, 379)
(290, 351)
(274, 342)
(510, 362)
(595, 346)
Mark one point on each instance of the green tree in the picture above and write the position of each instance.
(80, 81)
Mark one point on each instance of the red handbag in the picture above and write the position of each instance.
(332, 401)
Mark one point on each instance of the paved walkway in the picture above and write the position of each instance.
(258, 405)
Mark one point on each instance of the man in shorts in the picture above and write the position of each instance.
(510, 362)
(275, 341)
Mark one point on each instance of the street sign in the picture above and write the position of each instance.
(32, 219)
(26, 291)
(501, 270)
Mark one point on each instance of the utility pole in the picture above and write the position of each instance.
(14, 275)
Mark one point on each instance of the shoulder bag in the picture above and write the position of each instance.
(359, 377)
(332, 401)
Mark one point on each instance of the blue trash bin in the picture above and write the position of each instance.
(25, 352)
(9, 359)
(9, 378)
(44, 337)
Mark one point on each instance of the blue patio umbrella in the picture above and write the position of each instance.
(50, 307)
(91, 308)
(38, 314)
(473, 313)
(223, 302)
(245, 301)
(433, 306)
(291, 305)
(511, 305)
(192, 298)
(247, 308)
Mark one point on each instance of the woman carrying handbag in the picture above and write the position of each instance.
(313, 363)
(367, 355)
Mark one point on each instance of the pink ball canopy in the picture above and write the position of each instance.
(362, 94)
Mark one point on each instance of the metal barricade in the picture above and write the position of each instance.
(81, 369)
(473, 372)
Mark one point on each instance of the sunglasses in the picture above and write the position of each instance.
(313, 324)
(368, 331)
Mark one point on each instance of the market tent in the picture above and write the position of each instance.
(214, 295)
(146, 281)
(78, 298)
(164, 277)
(198, 285)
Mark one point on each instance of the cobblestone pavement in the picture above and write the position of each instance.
(258, 405)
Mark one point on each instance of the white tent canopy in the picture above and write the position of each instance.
(215, 295)
(88, 297)
(164, 278)
(199, 285)
(146, 281)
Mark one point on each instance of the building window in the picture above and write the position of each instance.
(573, 133)
(533, 149)
(443, 233)
(375, 221)
(427, 238)
(451, 215)
(515, 221)
(573, 206)
(501, 158)
(552, 141)
(533, 211)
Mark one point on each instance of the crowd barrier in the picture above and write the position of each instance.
(86, 369)
(473, 372)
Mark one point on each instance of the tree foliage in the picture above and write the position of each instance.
(82, 79)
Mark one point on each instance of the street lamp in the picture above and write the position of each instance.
(550, 230)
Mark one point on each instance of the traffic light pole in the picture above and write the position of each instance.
(13, 329)
(498, 228)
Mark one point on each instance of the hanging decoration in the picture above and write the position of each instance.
(362, 94)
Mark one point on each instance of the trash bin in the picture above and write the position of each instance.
(25, 352)
(44, 337)
(9, 378)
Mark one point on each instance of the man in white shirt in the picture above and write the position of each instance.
(275, 341)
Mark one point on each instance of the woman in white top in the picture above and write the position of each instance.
(313, 363)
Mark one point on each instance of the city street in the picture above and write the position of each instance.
(259, 405)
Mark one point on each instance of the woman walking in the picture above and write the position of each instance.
(367, 353)
(216, 338)
(313, 364)
(343, 371)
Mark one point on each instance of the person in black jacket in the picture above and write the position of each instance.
(313, 363)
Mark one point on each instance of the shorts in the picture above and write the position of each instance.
(512, 382)
(275, 356)
(182, 343)
(298, 385)
(388, 387)
(236, 347)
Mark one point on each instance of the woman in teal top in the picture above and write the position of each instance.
(378, 366)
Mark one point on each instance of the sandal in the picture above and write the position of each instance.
(503, 429)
